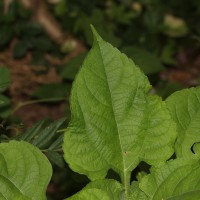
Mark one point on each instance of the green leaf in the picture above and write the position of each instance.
(6, 34)
(194, 195)
(72, 67)
(44, 135)
(5, 106)
(20, 49)
(110, 189)
(98, 18)
(136, 193)
(4, 78)
(49, 134)
(24, 172)
(165, 88)
(61, 8)
(32, 132)
(52, 90)
(168, 53)
(43, 43)
(115, 122)
(184, 107)
(90, 194)
(31, 28)
(178, 178)
(148, 62)
(55, 158)
(113, 188)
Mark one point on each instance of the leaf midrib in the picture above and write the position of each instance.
(113, 110)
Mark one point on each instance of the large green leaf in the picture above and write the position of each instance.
(108, 189)
(24, 172)
(115, 122)
(184, 106)
(178, 179)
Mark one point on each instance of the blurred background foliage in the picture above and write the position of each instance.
(43, 44)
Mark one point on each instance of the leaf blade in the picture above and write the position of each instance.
(21, 172)
(109, 189)
(110, 101)
(177, 178)
(184, 108)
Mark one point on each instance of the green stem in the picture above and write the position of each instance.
(126, 183)
(22, 104)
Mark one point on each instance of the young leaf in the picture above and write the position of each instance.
(24, 172)
(115, 122)
(184, 107)
(178, 179)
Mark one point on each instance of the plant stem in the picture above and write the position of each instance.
(126, 183)
(21, 104)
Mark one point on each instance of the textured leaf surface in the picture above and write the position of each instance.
(136, 193)
(24, 172)
(44, 135)
(90, 194)
(115, 122)
(49, 134)
(111, 189)
(184, 107)
(193, 195)
(178, 178)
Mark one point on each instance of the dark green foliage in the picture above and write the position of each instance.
(53, 90)
(46, 136)
(5, 103)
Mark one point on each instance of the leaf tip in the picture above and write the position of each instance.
(95, 34)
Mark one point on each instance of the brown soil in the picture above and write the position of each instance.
(25, 80)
